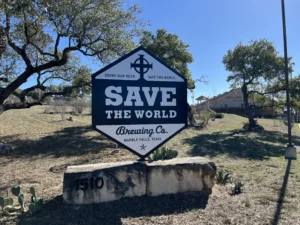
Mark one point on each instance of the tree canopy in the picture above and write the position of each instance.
(171, 50)
(45, 38)
(254, 68)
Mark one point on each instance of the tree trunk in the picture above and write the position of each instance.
(248, 109)
(191, 118)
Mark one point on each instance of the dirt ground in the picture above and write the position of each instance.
(44, 145)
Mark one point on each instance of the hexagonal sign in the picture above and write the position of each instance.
(139, 102)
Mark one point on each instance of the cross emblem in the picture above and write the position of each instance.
(142, 67)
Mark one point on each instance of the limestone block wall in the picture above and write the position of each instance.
(104, 182)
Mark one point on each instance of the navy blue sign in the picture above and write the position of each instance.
(139, 102)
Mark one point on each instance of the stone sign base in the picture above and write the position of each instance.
(290, 152)
(106, 182)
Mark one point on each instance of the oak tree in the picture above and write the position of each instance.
(175, 53)
(46, 37)
(254, 66)
(171, 50)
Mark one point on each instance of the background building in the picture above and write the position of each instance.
(233, 102)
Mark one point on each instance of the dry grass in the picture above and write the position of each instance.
(44, 146)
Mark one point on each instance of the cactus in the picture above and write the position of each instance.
(32, 191)
(16, 191)
(21, 198)
(6, 204)
(36, 205)
(2, 202)
(33, 197)
(163, 154)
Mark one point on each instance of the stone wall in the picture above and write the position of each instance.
(106, 182)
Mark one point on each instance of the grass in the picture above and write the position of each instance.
(44, 146)
(296, 127)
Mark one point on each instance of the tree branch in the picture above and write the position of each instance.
(4, 79)
(18, 105)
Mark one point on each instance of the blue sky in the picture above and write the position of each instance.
(213, 27)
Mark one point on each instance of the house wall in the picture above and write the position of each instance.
(233, 99)
(232, 102)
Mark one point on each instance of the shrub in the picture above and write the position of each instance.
(204, 116)
(222, 177)
(193, 110)
(236, 187)
(219, 115)
(33, 94)
(79, 105)
(48, 109)
(60, 107)
(163, 154)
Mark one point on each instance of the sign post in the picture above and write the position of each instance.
(139, 102)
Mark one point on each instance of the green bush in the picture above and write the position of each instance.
(236, 187)
(219, 115)
(163, 154)
(222, 177)
(204, 116)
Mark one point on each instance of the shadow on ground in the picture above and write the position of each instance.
(239, 144)
(70, 141)
(282, 193)
(55, 212)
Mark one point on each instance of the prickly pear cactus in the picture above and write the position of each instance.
(16, 191)
(21, 198)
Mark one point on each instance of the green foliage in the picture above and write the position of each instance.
(33, 94)
(21, 200)
(36, 205)
(163, 154)
(203, 118)
(2, 202)
(236, 187)
(171, 50)
(295, 87)
(7, 203)
(219, 115)
(45, 38)
(16, 191)
(253, 62)
(32, 191)
(82, 77)
(254, 67)
(222, 177)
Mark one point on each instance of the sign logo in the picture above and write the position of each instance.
(139, 68)
(139, 102)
